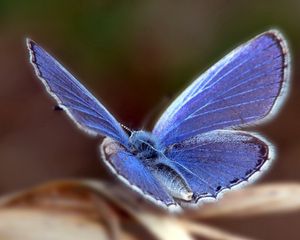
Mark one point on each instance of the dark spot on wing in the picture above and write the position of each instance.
(263, 151)
(249, 172)
(234, 181)
(259, 162)
(57, 108)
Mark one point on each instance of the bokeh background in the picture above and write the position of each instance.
(135, 56)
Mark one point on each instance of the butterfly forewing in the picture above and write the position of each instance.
(241, 88)
(80, 104)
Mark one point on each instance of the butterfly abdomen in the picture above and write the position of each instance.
(173, 182)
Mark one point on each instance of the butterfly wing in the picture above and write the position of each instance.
(217, 160)
(80, 104)
(133, 172)
(241, 88)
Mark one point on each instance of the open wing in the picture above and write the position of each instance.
(217, 160)
(79, 103)
(133, 172)
(241, 88)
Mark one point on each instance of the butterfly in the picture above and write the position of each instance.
(196, 149)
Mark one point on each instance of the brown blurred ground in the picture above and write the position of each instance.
(135, 57)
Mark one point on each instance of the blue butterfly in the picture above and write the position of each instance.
(194, 151)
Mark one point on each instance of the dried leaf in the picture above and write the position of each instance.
(105, 209)
(123, 197)
(208, 232)
(162, 225)
(164, 228)
(256, 200)
(66, 198)
(33, 224)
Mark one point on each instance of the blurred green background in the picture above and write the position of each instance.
(135, 56)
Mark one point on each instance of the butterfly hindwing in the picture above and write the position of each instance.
(218, 160)
(72, 96)
(133, 172)
(241, 88)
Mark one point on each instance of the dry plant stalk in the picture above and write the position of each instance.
(90, 209)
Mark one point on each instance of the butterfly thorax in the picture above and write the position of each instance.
(144, 145)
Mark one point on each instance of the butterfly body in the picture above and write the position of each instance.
(146, 148)
(153, 160)
(196, 148)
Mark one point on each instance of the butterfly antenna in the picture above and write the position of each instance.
(127, 129)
